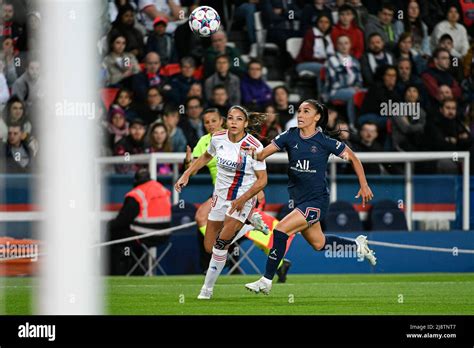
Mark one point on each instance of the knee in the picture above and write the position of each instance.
(201, 217)
(208, 247)
(318, 245)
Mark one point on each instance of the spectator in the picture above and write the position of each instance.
(124, 26)
(195, 91)
(244, 10)
(452, 27)
(142, 81)
(254, 90)
(220, 99)
(191, 124)
(117, 125)
(456, 69)
(447, 133)
(153, 110)
(347, 27)
(29, 37)
(438, 74)
(382, 25)
(159, 141)
(10, 28)
(132, 144)
(14, 113)
(468, 62)
(375, 57)
(169, 9)
(311, 13)
(19, 156)
(345, 134)
(281, 102)
(224, 77)
(218, 48)
(406, 78)
(276, 16)
(404, 50)
(271, 128)
(317, 47)
(362, 14)
(171, 119)
(180, 83)
(124, 99)
(413, 24)
(119, 64)
(380, 93)
(344, 78)
(27, 86)
(12, 61)
(368, 142)
(408, 130)
(4, 90)
(446, 41)
(161, 42)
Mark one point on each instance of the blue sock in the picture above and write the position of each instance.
(333, 240)
(276, 253)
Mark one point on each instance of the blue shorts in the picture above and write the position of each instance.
(315, 210)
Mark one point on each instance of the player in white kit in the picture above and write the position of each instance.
(239, 179)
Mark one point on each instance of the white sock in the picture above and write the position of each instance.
(242, 232)
(216, 265)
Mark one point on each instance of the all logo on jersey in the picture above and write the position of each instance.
(303, 167)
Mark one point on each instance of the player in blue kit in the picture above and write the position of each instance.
(308, 153)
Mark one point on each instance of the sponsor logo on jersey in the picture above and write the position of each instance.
(223, 162)
(295, 147)
(314, 149)
(302, 166)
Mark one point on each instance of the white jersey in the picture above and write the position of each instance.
(235, 167)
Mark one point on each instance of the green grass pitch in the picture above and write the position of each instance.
(404, 294)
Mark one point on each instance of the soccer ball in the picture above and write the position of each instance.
(204, 21)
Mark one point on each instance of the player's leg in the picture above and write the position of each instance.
(201, 221)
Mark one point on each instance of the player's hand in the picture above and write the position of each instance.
(366, 193)
(237, 205)
(189, 156)
(252, 152)
(182, 182)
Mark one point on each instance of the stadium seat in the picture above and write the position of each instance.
(273, 84)
(108, 96)
(342, 217)
(385, 215)
(293, 46)
(359, 99)
(183, 213)
(261, 34)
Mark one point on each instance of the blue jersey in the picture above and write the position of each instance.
(308, 159)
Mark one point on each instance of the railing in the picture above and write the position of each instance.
(175, 159)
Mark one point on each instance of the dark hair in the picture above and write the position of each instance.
(6, 111)
(122, 90)
(345, 8)
(255, 119)
(444, 101)
(373, 35)
(223, 55)
(121, 11)
(438, 50)
(167, 144)
(187, 60)
(330, 22)
(322, 110)
(280, 87)
(216, 87)
(387, 6)
(445, 37)
(170, 109)
(115, 37)
(188, 99)
(255, 61)
(370, 123)
(211, 111)
(406, 19)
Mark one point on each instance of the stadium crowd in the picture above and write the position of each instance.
(367, 59)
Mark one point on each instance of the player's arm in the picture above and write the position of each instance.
(193, 169)
(258, 186)
(175, 9)
(365, 192)
(269, 150)
(152, 12)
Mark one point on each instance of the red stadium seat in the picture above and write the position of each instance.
(359, 99)
(108, 96)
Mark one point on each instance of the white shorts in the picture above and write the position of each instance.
(220, 207)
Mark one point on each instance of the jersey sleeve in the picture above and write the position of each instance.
(259, 165)
(200, 148)
(334, 146)
(281, 140)
(211, 150)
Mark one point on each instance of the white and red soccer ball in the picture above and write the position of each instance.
(204, 21)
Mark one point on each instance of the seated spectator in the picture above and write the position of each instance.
(438, 74)
(368, 142)
(171, 120)
(14, 113)
(27, 86)
(343, 78)
(447, 133)
(468, 62)
(223, 77)
(10, 28)
(11, 60)
(180, 83)
(195, 91)
(191, 123)
(317, 47)
(170, 9)
(413, 24)
(132, 144)
(220, 99)
(28, 40)
(276, 16)
(375, 57)
(117, 125)
(254, 90)
(142, 81)
(219, 47)
(404, 50)
(455, 68)
(311, 13)
(118, 63)
(382, 25)
(408, 130)
(362, 14)
(406, 78)
(283, 107)
(271, 128)
(380, 93)
(346, 26)
(456, 30)
(244, 10)
(161, 42)
(19, 156)
(159, 141)
(345, 134)
(124, 26)
(153, 110)
(124, 99)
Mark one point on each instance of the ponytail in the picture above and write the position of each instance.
(255, 120)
